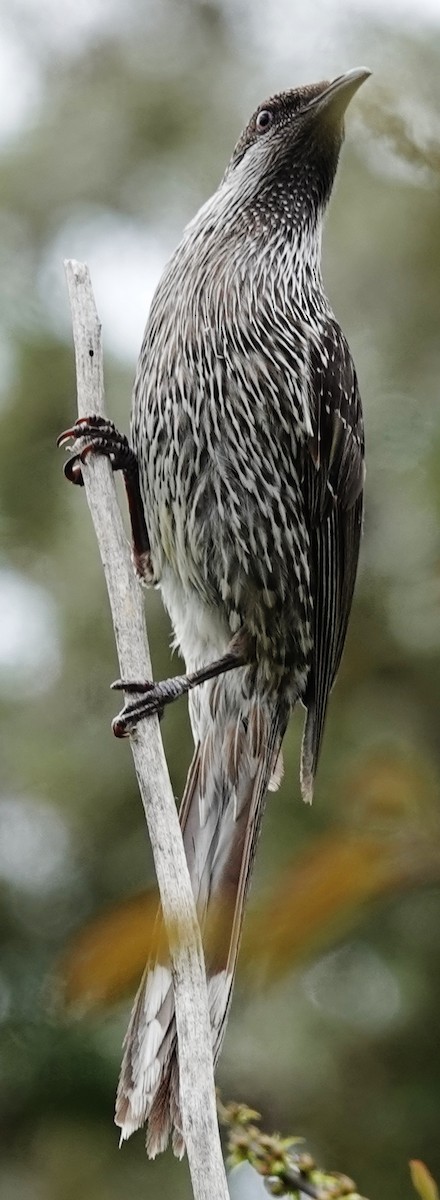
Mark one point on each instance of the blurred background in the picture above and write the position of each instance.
(116, 122)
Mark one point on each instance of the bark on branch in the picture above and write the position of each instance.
(197, 1092)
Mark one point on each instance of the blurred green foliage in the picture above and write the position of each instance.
(132, 123)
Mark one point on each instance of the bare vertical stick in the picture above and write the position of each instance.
(197, 1092)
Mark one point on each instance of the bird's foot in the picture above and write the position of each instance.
(150, 702)
(102, 437)
(152, 697)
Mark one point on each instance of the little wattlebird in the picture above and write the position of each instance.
(244, 478)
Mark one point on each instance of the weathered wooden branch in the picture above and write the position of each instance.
(197, 1093)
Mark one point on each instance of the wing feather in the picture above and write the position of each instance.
(333, 488)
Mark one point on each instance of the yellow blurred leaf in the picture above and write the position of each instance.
(317, 900)
(423, 1181)
(319, 896)
(105, 960)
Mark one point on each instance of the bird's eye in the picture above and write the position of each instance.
(264, 120)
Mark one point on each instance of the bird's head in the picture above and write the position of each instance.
(292, 143)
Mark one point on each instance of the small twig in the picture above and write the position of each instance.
(286, 1170)
(294, 1180)
(197, 1093)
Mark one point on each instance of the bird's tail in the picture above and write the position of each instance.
(233, 766)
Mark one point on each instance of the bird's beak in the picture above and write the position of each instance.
(336, 97)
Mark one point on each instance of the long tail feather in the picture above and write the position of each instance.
(221, 816)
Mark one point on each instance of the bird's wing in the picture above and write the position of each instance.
(333, 484)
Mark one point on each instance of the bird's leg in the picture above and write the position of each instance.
(103, 438)
(157, 695)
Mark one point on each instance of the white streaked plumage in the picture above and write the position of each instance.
(247, 427)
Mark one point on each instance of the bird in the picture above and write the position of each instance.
(245, 477)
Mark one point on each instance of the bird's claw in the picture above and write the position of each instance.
(133, 685)
(102, 438)
(150, 705)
